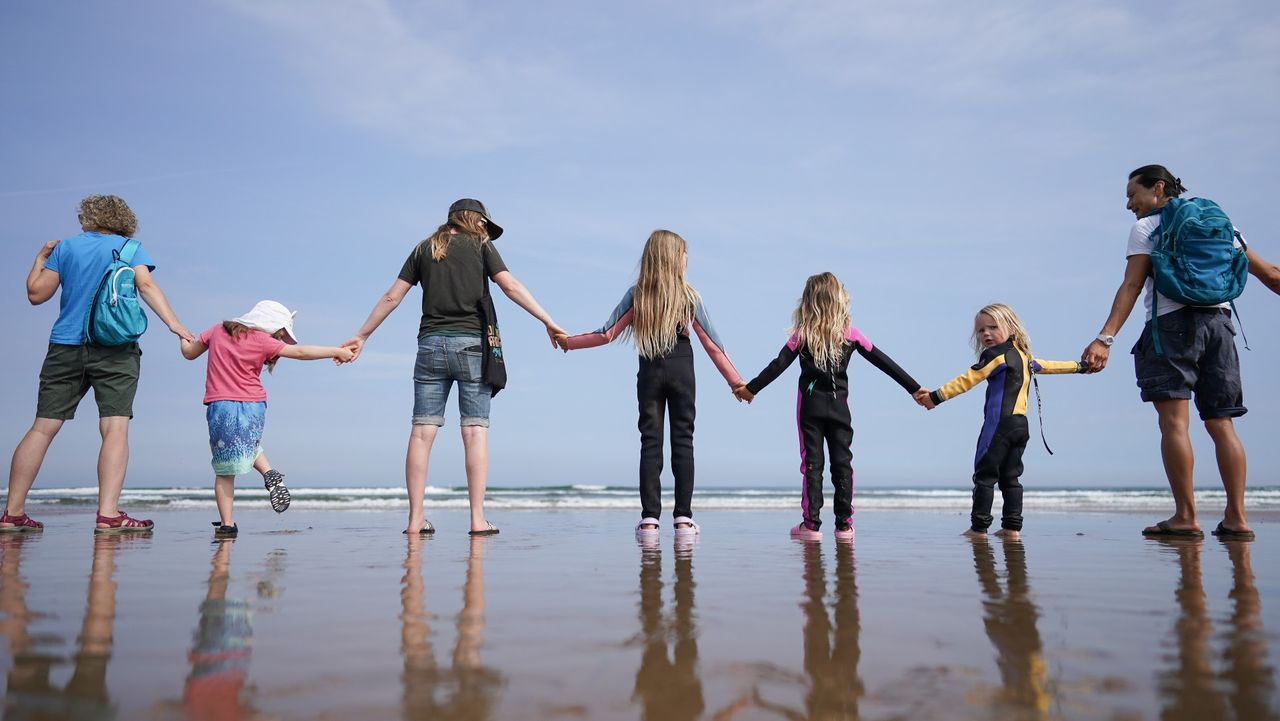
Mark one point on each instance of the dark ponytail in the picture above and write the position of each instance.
(1148, 175)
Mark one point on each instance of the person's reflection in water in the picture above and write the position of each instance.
(1010, 619)
(831, 643)
(467, 690)
(220, 648)
(667, 682)
(29, 692)
(1192, 690)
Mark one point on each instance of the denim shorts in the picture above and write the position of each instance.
(1199, 360)
(441, 361)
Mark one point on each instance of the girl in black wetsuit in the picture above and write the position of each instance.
(824, 340)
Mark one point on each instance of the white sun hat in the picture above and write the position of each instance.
(269, 316)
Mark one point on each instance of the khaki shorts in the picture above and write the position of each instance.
(69, 371)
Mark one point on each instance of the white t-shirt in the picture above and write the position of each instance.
(1140, 244)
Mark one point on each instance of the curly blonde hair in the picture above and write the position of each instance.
(821, 319)
(110, 213)
(663, 299)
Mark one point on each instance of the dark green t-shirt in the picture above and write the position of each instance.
(451, 287)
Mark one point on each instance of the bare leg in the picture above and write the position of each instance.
(1179, 463)
(1233, 467)
(261, 464)
(475, 443)
(416, 461)
(113, 460)
(27, 458)
(224, 492)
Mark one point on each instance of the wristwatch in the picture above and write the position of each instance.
(1106, 340)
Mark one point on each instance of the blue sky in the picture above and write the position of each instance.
(935, 157)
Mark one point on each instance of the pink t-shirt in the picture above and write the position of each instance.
(235, 364)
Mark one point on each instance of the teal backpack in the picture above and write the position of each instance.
(115, 316)
(1195, 259)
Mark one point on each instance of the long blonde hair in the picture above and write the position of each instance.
(1009, 322)
(468, 222)
(663, 300)
(821, 319)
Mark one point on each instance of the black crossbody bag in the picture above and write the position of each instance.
(493, 366)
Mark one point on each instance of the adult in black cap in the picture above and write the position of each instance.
(452, 266)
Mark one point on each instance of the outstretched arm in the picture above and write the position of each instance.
(964, 382)
(1263, 270)
(1135, 276)
(785, 358)
(618, 321)
(521, 296)
(155, 298)
(387, 303)
(342, 354)
(1052, 367)
(881, 360)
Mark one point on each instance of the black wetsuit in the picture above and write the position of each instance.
(822, 414)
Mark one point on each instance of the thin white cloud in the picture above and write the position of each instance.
(427, 76)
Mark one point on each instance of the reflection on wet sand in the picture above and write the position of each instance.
(1010, 616)
(1244, 688)
(29, 692)
(467, 689)
(667, 682)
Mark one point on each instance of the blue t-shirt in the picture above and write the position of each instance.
(80, 262)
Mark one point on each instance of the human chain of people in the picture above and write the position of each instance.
(1184, 257)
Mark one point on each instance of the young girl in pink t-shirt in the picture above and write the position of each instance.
(236, 401)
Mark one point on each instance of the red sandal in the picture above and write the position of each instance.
(20, 524)
(122, 523)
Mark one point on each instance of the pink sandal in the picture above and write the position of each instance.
(122, 523)
(20, 524)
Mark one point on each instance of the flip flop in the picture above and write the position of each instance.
(426, 530)
(1225, 533)
(491, 530)
(1164, 530)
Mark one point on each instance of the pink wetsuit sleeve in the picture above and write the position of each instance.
(718, 356)
(600, 337)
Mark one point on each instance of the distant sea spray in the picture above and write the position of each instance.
(604, 497)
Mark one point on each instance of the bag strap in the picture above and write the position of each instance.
(1039, 410)
(127, 251)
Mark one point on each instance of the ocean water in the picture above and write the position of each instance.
(586, 497)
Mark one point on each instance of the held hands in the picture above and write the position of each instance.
(921, 396)
(181, 331)
(557, 335)
(561, 341)
(742, 394)
(1095, 356)
(343, 354)
(353, 345)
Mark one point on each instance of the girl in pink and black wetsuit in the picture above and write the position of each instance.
(659, 312)
(824, 340)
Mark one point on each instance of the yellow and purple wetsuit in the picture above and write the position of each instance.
(1008, 373)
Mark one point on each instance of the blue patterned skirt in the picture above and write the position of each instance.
(235, 435)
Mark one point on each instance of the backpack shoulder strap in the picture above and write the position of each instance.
(128, 250)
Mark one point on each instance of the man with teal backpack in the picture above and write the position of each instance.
(92, 345)
(1191, 262)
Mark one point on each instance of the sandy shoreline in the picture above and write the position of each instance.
(335, 615)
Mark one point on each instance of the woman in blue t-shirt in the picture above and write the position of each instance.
(72, 366)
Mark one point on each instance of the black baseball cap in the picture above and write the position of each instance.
(472, 204)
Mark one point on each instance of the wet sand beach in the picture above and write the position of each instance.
(329, 615)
